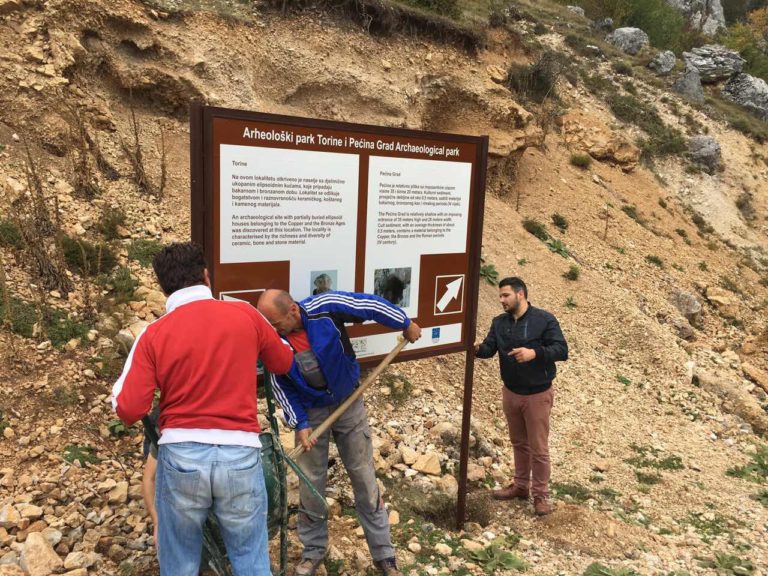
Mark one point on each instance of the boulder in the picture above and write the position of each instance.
(714, 62)
(749, 92)
(706, 16)
(628, 40)
(605, 25)
(38, 558)
(663, 63)
(578, 10)
(689, 85)
(705, 150)
(689, 306)
(428, 464)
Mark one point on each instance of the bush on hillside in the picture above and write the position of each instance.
(536, 81)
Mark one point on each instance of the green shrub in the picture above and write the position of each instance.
(86, 258)
(10, 236)
(82, 454)
(621, 67)
(655, 260)
(560, 221)
(648, 478)
(631, 211)
(662, 140)
(400, 387)
(110, 219)
(558, 247)
(728, 564)
(571, 491)
(536, 228)
(596, 84)
(121, 283)
(22, 316)
(449, 8)
(573, 273)
(701, 224)
(536, 81)
(703, 266)
(539, 29)
(61, 328)
(489, 272)
(570, 303)
(754, 471)
(583, 161)
(143, 251)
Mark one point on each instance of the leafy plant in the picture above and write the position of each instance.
(597, 569)
(558, 247)
(488, 272)
(655, 260)
(144, 251)
(493, 558)
(572, 491)
(573, 273)
(648, 478)
(623, 380)
(761, 496)
(86, 258)
(754, 471)
(560, 221)
(728, 564)
(117, 428)
(536, 228)
(582, 161)
(570, 303)
(82, 454)
(399, 386)
(621, 67)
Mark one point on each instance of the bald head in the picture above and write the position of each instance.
(283, 313)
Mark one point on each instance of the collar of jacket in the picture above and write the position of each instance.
(527, 310)
(187, 295)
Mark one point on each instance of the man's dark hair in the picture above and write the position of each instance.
(179, 265)
(516, 284)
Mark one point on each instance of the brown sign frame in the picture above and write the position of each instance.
(204, 153)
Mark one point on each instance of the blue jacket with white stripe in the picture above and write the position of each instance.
(323, 317)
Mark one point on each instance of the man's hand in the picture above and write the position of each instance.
(522, 354)
(412, 333)
(155, 539)
(302, 438)
(477, 346)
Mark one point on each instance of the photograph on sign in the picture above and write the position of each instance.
(394, 285)
(324, 281)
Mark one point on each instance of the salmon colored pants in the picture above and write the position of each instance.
(528, 423)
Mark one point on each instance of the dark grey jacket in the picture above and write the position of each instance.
(536, 329)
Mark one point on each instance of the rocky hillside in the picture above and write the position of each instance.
(626, 185)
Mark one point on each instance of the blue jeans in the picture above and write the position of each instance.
(194, 478)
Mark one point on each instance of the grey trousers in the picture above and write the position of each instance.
(353, 439)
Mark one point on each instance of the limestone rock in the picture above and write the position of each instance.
(628, 40)
(663, 63)
(704, 15)
(428, 464)
(714, 62)
(749, 92)
(689, 85)
(38, 557)
(705, 150)
(757, 375)
(689, 306)
(118, 494)
(578, 10)
(10, 569)
(9, 517)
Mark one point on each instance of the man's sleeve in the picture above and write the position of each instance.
(289, 400)
(488, 347)
(358, 307)
(134, 391)
(274, 352)
(554, 348)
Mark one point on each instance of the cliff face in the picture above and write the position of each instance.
(704, 15)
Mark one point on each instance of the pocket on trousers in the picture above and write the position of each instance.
(243, 488)
(180, 489)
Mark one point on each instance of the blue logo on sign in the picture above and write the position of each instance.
(435, 335)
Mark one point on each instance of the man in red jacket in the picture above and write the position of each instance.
(202, 357)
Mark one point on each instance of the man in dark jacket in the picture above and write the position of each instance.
(324, 373)
(529, 342)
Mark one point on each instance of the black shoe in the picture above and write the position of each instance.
(388, 567)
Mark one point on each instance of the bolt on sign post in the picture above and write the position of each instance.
(310, 206)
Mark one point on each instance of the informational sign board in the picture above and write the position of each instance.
(310, 206)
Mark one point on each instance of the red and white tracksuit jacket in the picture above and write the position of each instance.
(202, 357)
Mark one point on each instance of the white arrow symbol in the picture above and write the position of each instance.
(451, 292)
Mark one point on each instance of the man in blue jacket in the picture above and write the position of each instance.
(529, 341)
(324, 373)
